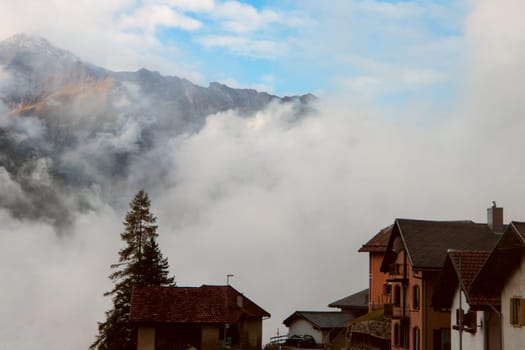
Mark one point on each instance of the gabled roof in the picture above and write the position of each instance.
(426, 242)
(460, 266)
(205, 304)
(379, 242)
(501, 263)
(356, 301)
(321, 319)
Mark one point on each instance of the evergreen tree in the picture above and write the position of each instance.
(140, 264)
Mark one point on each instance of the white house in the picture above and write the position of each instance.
(474, 325)
(500, 288)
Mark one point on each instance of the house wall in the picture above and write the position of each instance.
(146, 338)
(251, 330)
(210, 338)
(304, 327)
(492, 330)
(428, 322)
(513, 336)
(469, 341)
(407, 310)
(434, 322)
(377, 281)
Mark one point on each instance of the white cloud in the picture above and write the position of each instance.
(193, 5)
(243, 18)
(148, 18)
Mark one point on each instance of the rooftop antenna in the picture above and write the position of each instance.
(228, 279)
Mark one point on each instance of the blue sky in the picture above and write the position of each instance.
(378, 49)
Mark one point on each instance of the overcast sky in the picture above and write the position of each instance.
(421, 116)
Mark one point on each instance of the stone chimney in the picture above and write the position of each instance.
(495, 218)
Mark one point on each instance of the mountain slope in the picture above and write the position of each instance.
(70, 125)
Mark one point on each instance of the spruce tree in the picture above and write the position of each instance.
(140, 264)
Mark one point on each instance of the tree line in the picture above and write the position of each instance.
(140, 263)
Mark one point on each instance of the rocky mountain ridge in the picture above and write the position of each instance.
(67, 124)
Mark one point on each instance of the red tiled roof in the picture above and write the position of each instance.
(205, 304)
(467, 264)
(379, 242)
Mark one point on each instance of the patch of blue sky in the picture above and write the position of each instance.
(402, 51)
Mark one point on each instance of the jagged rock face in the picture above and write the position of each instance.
(66, 124)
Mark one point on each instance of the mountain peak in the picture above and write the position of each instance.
(34, 44)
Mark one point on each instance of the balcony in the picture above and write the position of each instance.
(399, 312)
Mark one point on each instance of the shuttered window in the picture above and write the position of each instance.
(517, 312)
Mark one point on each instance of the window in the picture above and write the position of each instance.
(404, 333)
(442, 339)
(397, 295)
(387, 289)
(396, 334)
(415, 297)
(415, 338)
(517, 312)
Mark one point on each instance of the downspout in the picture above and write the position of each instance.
(424, 283)
(460, 314)
(460, 306)
(405, 284)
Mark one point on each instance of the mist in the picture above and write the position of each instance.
(281, 202)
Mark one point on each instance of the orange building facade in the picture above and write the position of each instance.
(415, 325)
(376, 248)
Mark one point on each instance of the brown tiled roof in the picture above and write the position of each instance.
(427, 242)
(205, 304)
(357, 301)
(379, 242)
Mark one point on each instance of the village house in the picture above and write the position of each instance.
(473, 324)
(205, 317)
(414, 258)
(379, 294)
(326, 326)
(500, 285)
(323, 326)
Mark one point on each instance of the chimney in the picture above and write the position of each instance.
(495, 218)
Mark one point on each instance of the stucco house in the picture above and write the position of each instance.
(473, 324)
(378, 294)
(323, 326)
(413, 260)
(205, 317)
(501, 282)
